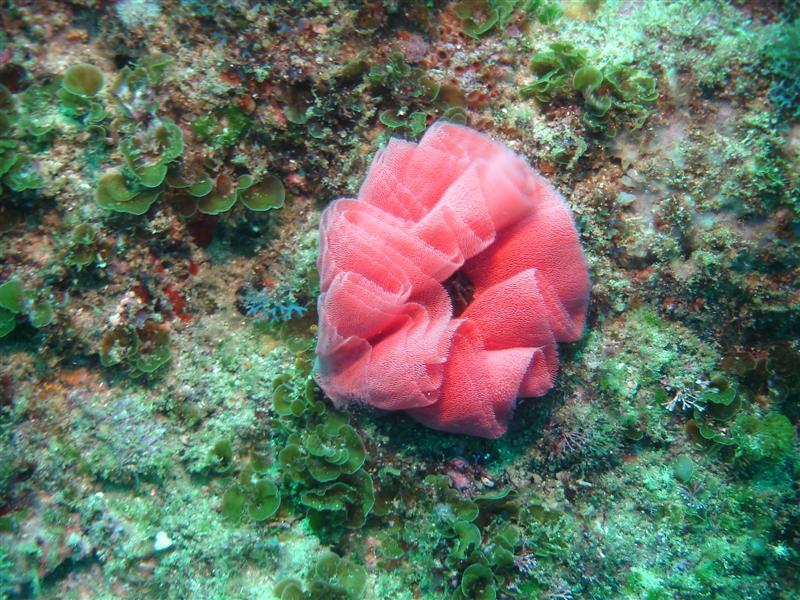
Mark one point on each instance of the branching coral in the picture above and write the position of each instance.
(462, 210)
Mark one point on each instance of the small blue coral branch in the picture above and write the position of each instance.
(275, 306)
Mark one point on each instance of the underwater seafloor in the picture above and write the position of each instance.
(164, 165)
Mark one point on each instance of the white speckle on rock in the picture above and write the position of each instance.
(135, 13)
(162, 542)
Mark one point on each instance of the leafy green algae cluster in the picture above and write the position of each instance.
(140, 350)
(480, 17)
(253, 494)
(428, 98)
(562, 71)
(18, 171)
(152, 146)
(80, 86)
(330, 577)
(14, 301)
(148, 144)
(323, 457)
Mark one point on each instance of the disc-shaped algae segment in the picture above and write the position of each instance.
(11, 295)
(149, 362)
(83, 80)
(267, 194)
(478, 582)
(587, 78)
(292, 459)
(40, 314)
(8, 322)
(264, 500)
(117, 345)
(221, 456)
(137, 206)
(289, 589)
(155, 64)
(233, 501)
(83, 234)
(221, 199)
(468, 537)
(148, 152)
(114, 193)
(7, 103)
(321, 470)
(282, 401)
(340, 573)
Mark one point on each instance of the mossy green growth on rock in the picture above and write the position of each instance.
(782, 65)
(223, 127)
(763, 440)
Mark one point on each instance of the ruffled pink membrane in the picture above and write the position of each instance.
(456, 202)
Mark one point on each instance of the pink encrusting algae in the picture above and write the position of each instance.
(458, 204)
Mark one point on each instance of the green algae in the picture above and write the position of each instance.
(15, 300)
(139, 350)
(330, 577)
(221, 128)
(268, 194)
(479, 17)
(562, 71)
(83, 80)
